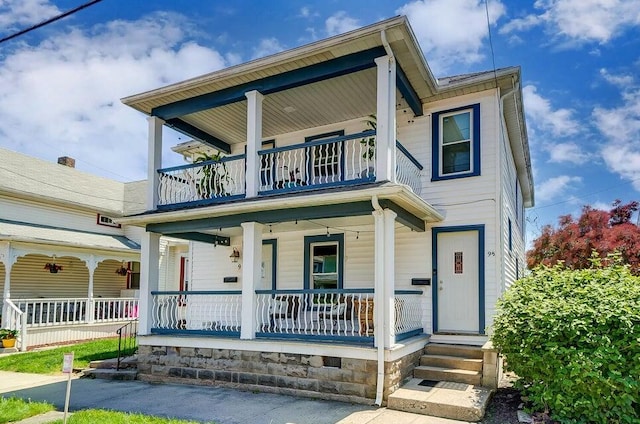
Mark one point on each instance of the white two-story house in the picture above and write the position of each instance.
(350, 210)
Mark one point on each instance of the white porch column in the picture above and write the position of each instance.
(251, 275)
(92, 264)
(154, 154)
(378, 277)
(254, 141)
(149, 275)
(386, 119)
(8, 259)
(389, 277)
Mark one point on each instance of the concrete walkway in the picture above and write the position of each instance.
(201, 404)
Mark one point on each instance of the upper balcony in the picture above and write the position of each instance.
(329, 162)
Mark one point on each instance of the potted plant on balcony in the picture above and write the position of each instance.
(214, 177)
(8, 337)
(370, 146)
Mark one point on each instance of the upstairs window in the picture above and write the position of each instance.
(456, 143)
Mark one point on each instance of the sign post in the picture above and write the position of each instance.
(67, 367)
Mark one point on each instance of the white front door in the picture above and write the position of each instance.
(267, 267)
(457, 284)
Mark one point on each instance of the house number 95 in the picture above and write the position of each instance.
(491, 253)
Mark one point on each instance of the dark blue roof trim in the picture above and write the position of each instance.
(407, 91)
(191, 131)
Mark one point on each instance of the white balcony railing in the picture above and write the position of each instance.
(408, 311)
(327, 162)
(408, 169)
(214, 179)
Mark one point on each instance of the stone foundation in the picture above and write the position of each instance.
(345, 379)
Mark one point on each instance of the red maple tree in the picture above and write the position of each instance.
(595, 230)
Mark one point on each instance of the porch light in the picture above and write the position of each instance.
(235, 255)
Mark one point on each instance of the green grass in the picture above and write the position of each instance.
(92, 416)
(14, 409)
(50, 361)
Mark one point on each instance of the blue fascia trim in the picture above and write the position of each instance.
(192, 131)
(274, 256)
(317, 337)
(201, 202)
(165, 331)
(481, 271)
(198, 292)
(203, 237)
(200, 164)
(317, 186)
(298, 77)
(316, 291)
(308, 240)
(409, 155)
(407, 91)
(409, 334)
(435, 144)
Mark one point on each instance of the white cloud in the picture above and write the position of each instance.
(340, 23)
(451, 32)
(620, 126)
(14, 13)
(62, 96)
(555, 187)
(541, 115)
(580, 20)
(307, 13)
(266, 47)
(567, 152)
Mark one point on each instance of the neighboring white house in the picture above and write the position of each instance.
(324, 255)
(69, 271)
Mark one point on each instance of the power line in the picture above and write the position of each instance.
(48, 21)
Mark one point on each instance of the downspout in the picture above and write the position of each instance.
(385, 44)
(503, 125)
(379, 328)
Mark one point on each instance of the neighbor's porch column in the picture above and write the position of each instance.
(154, 163)
(386, 119)
(8, 259)
(251, 276)
(92, 263)
(254, 141)
(149, 275)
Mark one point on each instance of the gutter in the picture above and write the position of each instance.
(379, 324)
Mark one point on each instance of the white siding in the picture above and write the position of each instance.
(54, 216)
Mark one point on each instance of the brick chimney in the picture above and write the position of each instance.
(67, 161)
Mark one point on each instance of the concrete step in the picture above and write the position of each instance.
(448, 374)
(456, 401)
(125, 363)
(463, 351)
(446, 361)
(111, 374)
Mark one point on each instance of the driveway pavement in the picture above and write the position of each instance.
(198, 403)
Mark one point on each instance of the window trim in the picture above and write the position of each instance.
(436, 144)
(308, 241)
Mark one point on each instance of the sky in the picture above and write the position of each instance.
(61, 85)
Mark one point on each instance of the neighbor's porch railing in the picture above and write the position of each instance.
(196, 311)
(328, 162)
(202, 182)
(17, 320)
(56, 312)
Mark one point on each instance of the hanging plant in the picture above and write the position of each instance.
(52, 267)
(122, 271)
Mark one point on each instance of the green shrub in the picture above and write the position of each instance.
(573, 338)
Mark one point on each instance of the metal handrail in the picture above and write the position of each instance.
(130, 332)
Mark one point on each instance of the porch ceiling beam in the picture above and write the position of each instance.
(404, 217)
(286, 215)
(407, 91)
(272, 84)
(191, 131)
(202, 237)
